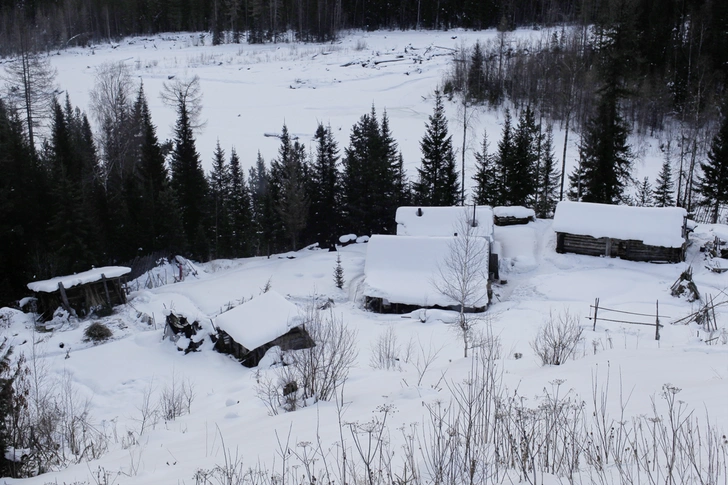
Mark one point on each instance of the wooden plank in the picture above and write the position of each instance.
(64, 298)
(106, 289)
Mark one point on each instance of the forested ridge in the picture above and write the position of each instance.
(81, 196)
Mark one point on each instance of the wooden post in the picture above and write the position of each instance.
(64, 298)
(657, 320)
(596, 309)
(106, 289)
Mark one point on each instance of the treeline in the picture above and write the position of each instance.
(54, 24)
(657, 68)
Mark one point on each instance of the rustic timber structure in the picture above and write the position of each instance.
(653, 234)
(514, 215)
(94, 291)
(248, 331)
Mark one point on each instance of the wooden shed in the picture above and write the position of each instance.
(83, 293)
(512, 215)
(249, 330)
(401, 274)
(654, 234)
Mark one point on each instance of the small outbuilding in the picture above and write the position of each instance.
(402, 273)
(249, 330)
(512, 215)
(83, 293)
(654, 234)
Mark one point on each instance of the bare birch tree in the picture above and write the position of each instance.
(463, 275)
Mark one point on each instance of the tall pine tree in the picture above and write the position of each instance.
(370, 177)
(438, 178)
(520, 178)
(606, 156)
(240, 209)
(549, 177)
(486, 176)
(325, 192)
(189, 183)
(663, 193)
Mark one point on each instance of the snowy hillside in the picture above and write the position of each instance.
(615, 365)
(250, 91)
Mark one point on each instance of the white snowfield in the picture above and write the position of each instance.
(654, 226)
(260, 320)
(90, 276)
(407, 269)
(443, 221)
(251, 90)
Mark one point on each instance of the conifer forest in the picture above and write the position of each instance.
(101, 187)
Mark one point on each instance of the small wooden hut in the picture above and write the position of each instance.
(512, 215)
(249, 330)
(653, 234)
(83, 293)
(401, 274)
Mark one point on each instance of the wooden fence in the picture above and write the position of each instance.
(654, 318)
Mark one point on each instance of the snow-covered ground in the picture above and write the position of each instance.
(535, 281)
(252, 90)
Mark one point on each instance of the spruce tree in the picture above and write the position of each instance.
(288, 190)
(189, 183)
(520, 178)
(486, 177)
(219, 183)
(264, 217)
(663, 193)
(389, 173)
(23, 210)
(438, 178)
(606, 156)
(240, 209)
(549, 177)
(713, 183)
(644, 193)
(338, 273)
(504, 161)
(476, 75)
(74, 247)
(371, 176)
(325, 191)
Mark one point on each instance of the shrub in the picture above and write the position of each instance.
(557, 340)
(97, 332)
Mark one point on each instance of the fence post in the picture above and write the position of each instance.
(596, 309)
(657, 319)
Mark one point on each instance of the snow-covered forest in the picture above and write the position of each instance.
(223, 164)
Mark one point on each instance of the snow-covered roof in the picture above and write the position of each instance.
(654, 226)
(90, 276)
(517, 211)
(442, 221)
(406, 269)
(260, 320)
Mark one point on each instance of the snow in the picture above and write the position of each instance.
(654, 226)
(407, 269)
(442, 221)
(250, 94)
(260, 320)
(516, 211)
(90, 276)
